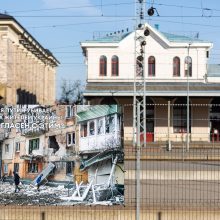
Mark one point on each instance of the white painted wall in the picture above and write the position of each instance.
(156, 47)
(100, 141)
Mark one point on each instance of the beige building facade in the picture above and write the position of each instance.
(27, 70)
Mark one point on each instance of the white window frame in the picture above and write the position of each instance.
(71, 141)
(102, 128)
(17, 146)
(69, 111)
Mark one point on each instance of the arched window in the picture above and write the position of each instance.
(103, 66)
(188, 66)
(151, 66)
(176, 66)
(115, 66)
(180, 116)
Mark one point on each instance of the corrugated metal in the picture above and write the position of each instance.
(181, 38)
(97, 111)
(153, 86)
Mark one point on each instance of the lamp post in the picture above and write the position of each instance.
(187, 102)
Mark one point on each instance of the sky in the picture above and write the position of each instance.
(60, 25)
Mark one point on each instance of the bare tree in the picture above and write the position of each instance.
(71, 92)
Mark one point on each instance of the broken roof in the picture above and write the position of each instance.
(97, 111)
(104, 155)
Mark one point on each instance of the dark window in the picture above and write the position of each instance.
(188, 66)
(103, 66)
(180, 116)
(176, 66)
(33, 145)
(115, 66)
(109, 123)
(207, 54)
(151, 66)
(16, 167)
(32, 168)
(69, 167)
(91, 128)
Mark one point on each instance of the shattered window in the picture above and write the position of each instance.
(100, 126)
(33, 145)
(32, 168)
(83, 130)
(16, 167)
(70, 138)
(92, 128)
(53, 143)
(109, 124)
(69, 167)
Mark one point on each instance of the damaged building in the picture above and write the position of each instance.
(46, 145)
(100, 142)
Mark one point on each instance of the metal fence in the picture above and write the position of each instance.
(175, 182)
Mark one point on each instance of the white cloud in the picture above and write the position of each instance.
(74, 5)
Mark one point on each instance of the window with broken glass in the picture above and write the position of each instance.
(83, 130)
(92, 128)
(109, 123)
(32, 168)
(34, 145)
(69, 111)
(70, 139)
(100, 126)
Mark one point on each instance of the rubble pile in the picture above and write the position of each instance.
(28, 195)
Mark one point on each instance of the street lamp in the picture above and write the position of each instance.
(188, 60)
